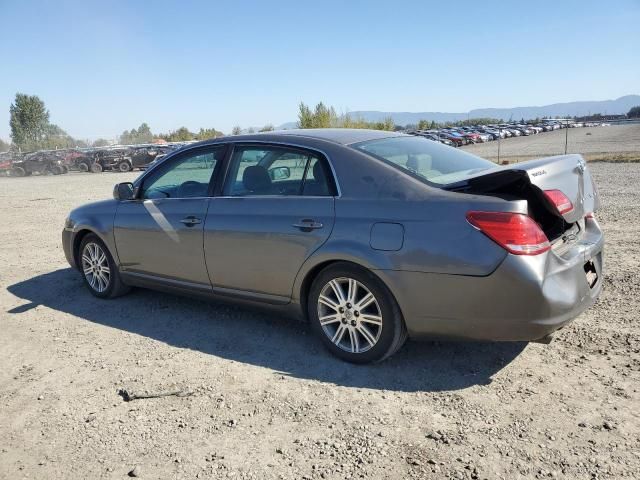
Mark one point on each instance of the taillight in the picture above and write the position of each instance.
(515, 232)
(560, 200)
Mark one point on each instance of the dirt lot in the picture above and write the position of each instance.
(617, 142)
(268, 402)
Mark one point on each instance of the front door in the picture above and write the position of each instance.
(160, 234)
(277, 208)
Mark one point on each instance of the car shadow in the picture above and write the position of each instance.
(266, 339)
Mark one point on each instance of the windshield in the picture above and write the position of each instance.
(425, 159)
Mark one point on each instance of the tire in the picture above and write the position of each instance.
(65, 169)
(83, 166)
(18, 172)
(96, 168)
(124, 166)
(57, 170)
(371, 333)
(94, 257)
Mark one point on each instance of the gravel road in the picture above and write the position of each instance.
(615, 141)
(262, 399)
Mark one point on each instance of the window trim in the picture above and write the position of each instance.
(167, 164)
(331, 175)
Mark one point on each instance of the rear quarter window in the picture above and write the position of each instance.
(425, 159)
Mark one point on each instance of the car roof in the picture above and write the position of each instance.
(343, 136)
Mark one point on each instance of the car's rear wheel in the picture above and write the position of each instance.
(83, 166)
(96, 168)
(124, 166)
(99, 271)
(18, 172)
(355, 314)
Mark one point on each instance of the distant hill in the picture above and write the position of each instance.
(611, 107)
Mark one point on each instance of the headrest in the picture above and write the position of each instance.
(256, 179)
(412, 163)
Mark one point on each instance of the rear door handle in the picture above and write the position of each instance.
(190, 221)
(306, 225)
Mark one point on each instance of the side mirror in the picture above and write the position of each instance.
(124, 191)
(280, 173)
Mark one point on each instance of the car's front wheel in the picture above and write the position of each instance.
(355, 314)
(99, 271)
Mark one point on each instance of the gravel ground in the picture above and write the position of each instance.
(616, 141)
(266, 401)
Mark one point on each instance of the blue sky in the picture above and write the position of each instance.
(102, 67)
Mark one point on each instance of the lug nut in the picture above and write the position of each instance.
(356, 313)
(344, 320)
(353, 323)
(348, 305)
(341, 310)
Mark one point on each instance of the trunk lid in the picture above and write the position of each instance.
(528, 181)
(570, 175)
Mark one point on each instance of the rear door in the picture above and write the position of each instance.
(160, 234)
(276, 209)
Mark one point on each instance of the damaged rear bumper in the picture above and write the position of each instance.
(525, 299)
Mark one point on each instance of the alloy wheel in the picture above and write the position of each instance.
(95, 266)
(350, 315)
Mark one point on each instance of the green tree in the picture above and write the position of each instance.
(29, 121)
(101, 142)
(388, 124)
(325, 117)
(305, 117)
(180, 135)
(207, 133)
(54, 138)
(267, 128)
(236, 130)
(144, 134)
(140, 135)
(634, 112)
(423, 125)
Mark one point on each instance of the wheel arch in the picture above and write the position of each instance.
(312, 273)
(77, 241)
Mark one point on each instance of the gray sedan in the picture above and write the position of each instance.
(370, 236)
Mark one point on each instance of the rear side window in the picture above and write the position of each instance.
(425, 159)
(276, 171)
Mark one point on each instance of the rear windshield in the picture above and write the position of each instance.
(425, 159)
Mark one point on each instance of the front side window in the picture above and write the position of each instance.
(425, 159)
(275, 171)
(187, 177)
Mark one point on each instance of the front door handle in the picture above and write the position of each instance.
(306, 225)
(190, 221)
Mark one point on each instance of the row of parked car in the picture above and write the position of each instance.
(121, 158)
(459, 136)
